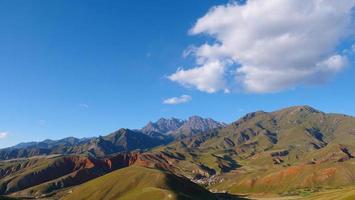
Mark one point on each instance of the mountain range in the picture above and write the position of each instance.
(296, 152)
(123, 140)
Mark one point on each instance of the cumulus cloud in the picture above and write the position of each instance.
(3, 135)
(267, 46)
(178, 100)
(207, 78)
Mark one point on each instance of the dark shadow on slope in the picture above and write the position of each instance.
(6, 198)
(205, 168)
(318, 137)
(187, 190)
(226, 163)
(226, 196)
(232, 163)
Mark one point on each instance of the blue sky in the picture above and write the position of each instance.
(86, 68)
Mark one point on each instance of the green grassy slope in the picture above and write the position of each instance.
(134, 183)
(346, 193)
(340, 194)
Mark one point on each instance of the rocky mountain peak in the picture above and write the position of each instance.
(163, 125)
(201, 124)
(176, 127)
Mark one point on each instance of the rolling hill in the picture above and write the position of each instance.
(41, 176)
(139, 183)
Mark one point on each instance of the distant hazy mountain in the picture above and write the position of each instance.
(46, 147)
(181, 128)
(122, 140)
(51, 143)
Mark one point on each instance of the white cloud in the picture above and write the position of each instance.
(270, 45)
(353, 47)
(3, 135)
(178, 100)
(208, 78)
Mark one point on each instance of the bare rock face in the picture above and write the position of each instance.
(201, 124)
(163, 126)
(181, 128)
